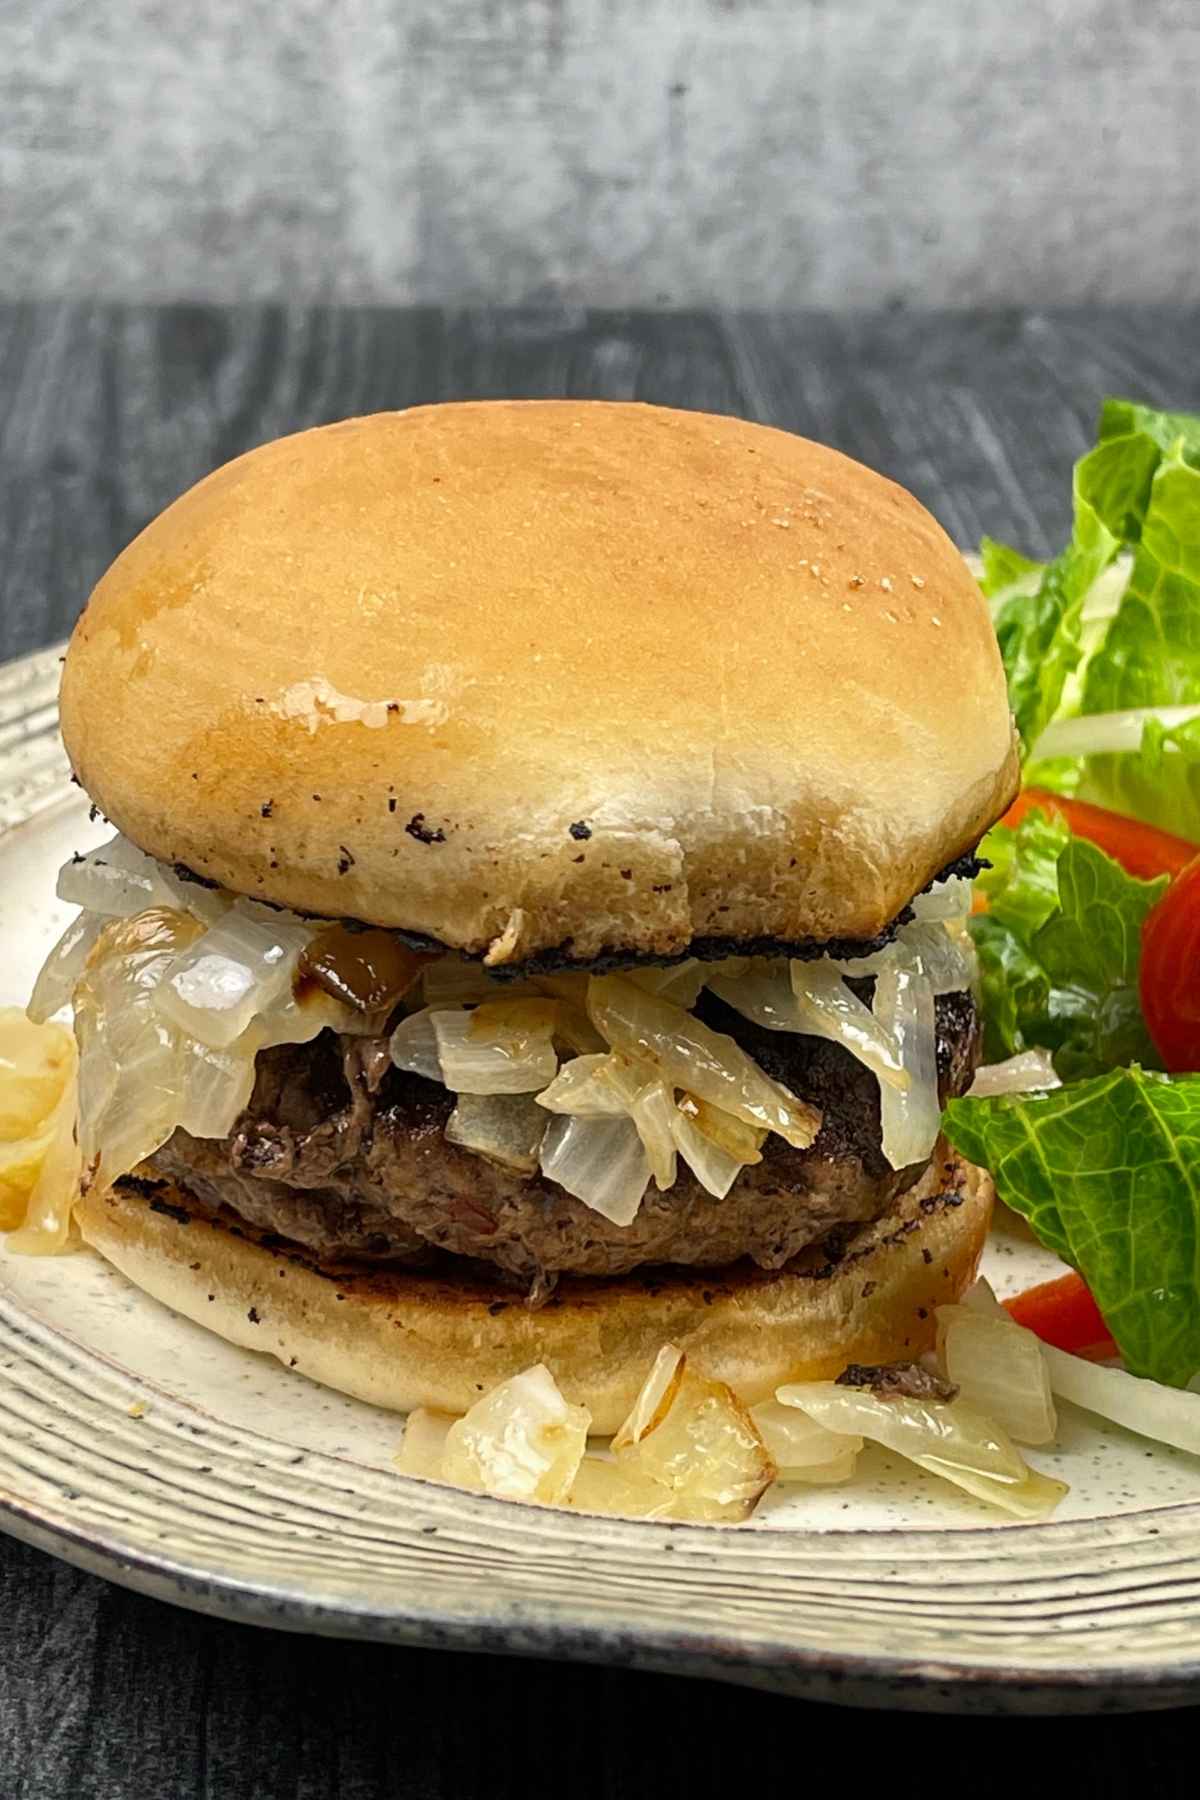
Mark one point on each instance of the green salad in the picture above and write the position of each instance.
(1089, 946)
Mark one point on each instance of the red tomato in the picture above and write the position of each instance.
(1141, 850)
(1062, 1312)
(1169, 977)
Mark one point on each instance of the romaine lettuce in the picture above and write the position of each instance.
(1059, 948)
(1137, 491)
(1107, 1172)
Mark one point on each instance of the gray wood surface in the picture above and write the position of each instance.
(624, 152)
(105, 414)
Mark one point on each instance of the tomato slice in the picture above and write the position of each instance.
(1169, 973)
(1141, 850)
(1062, 1312)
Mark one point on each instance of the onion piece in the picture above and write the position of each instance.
(655, 1395)
(759, 990)
(36, 1063)
(811, 998)
(1167, 1415)
(570, 985)
(414, 1045)
(949, 899)
(980, 1297)
(506, 1129)
(650, 1104)
(130, 1060)
(949, 1439)
(235, 971)
(521, 1441)
(516, 1024)
(116, 880)
(910, 1120)
(582, 1087)
(424, 1443)
(46, 1227)
(298, 1021)
(605, 1487)
(368, 971)
(458, 981)
(714, 1168)
(705, 1451)
(39, 1163)
(998, 1367)
(1029, 1072)
(680, 983)
(740, 1141)
(600, 1161)
(62, 968)
(728, 968)
(801, 1449)
(479, 1056)
(1110, 733)
(943, 947)
(828, 1009)
(576, 1031)
(945, 951)
(689, 1055)
(215, 1087)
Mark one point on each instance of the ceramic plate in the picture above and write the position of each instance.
(138, 1445)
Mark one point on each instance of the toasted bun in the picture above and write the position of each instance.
(402, 1340)
(525, 674)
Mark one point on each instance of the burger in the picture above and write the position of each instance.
(535, 929)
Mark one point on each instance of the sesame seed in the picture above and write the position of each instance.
(918, 581)
(935, 620)
(886, 584)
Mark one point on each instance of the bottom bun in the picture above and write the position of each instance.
(401, 1339)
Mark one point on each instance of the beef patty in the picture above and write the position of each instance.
(341, 1152)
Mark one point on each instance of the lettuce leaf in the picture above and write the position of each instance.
(1041, 633)
(1004, 569)
(1137, 492)
(1124, 418)
(1159, 782)
(1108, 1174)
(1059, 949)
(1150, 655)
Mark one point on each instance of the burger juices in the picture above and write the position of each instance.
(536, 931)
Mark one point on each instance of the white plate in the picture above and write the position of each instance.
(137, 1444)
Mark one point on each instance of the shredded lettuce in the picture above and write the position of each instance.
(1107, 1172)
(1059, 949)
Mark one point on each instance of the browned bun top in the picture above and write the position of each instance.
(519, 674)
(401, 1340)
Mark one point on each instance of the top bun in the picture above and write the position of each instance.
(528, 676)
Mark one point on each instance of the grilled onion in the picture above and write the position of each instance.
(690, 1055)
(521, 1442)
(600, 1161)
(948, 1438)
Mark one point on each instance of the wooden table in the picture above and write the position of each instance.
(107, 413)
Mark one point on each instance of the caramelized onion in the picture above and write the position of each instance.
(370, 970)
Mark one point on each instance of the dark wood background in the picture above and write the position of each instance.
(107, 413)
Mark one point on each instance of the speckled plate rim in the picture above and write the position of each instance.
(1086, 1616)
